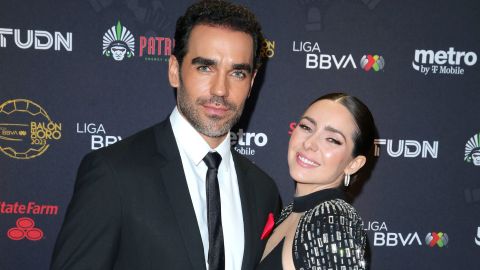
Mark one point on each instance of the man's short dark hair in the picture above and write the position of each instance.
(217, 13)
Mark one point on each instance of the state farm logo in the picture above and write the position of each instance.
(25, 229)
(372, 62)
(119, 43)
(98, 135)
(26, 129)
(406, 148)
(472, 150)
(246, 142)
(268, 49)
(439, 239)
(449, 62)
(38, 39)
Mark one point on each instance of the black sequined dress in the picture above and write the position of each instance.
(329, 235)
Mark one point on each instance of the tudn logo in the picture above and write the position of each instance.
(440, 239)
(477, 238)
(118, 42)
(374, 62)
(472, 150)
(25, 229)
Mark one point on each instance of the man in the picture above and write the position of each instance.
(142, 203)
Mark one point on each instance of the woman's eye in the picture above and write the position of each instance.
(332, 140)
(304, 127)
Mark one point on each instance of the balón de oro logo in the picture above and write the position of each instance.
(26, 129)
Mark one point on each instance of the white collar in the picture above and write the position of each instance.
(193, 144)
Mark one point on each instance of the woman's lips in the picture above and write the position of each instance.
(305, 162)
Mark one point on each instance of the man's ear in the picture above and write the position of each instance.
(173, 71)
(356, 164)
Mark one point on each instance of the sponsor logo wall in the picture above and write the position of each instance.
(78, 76)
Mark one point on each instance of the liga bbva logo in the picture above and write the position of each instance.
(118, 43)
(472, 150)
(26, 129)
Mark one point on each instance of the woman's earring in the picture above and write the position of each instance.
(347, 179)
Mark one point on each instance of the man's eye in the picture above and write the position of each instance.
(203, 68)
(239, 74)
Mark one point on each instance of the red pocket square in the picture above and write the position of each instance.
(268, 227)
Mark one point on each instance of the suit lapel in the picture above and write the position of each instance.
(247, 197)
(177, 190)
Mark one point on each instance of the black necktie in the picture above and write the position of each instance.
(216, 253)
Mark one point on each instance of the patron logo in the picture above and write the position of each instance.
(245, 142)
(38, 39)
(472, 150)
(449, 62)
(375, 62)
(439, 239)
(156, 48)
(26, 129)
(98, 135)
(268, 48)
(118, 43)
(25, 229)
(407, 148)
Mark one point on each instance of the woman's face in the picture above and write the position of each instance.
(320, 148)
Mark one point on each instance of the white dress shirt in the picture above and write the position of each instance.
(193, 149)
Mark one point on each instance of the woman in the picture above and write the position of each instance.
(319, 230)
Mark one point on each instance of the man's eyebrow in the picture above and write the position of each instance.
(246, 67)
(203, 61)
(210, 62)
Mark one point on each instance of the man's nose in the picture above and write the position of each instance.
(220, 85)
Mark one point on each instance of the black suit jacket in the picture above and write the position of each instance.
(131, 209)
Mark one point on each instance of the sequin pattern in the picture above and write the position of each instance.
(329, 236)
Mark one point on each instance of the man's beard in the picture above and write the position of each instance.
(213, 126)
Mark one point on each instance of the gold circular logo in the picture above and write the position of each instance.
(26, 129)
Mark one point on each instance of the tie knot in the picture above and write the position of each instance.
(212, 160)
